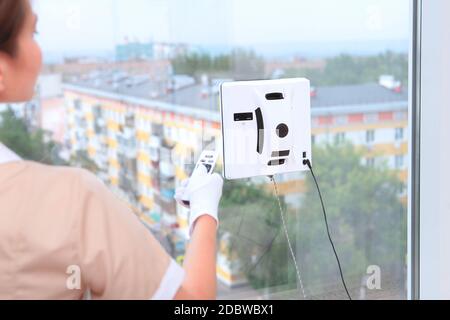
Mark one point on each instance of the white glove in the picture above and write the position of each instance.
(203, 191)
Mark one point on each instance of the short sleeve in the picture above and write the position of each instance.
(119, 257)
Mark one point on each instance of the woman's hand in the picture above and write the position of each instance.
(203, 191)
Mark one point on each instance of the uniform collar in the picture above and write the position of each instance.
(7, 155)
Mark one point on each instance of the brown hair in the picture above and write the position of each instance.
(12, 18)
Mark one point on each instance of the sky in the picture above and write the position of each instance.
(71, 26)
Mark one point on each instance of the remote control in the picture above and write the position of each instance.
(207, 159)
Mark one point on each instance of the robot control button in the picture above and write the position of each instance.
(282, 130)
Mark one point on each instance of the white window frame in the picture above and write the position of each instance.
(428, 207)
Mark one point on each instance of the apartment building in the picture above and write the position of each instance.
(143, 147)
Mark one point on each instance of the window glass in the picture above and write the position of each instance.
(134, 99)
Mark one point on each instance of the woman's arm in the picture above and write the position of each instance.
(200, 262)
(204, 192)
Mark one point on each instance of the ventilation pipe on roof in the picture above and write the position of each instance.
(389, 82)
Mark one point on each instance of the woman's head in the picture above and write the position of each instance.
(20, 55)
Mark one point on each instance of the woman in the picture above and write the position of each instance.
(62, 232)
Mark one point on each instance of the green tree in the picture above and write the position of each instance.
(240, 64)
(81, 159)
(348, 69)
(250, 214)
(30, 144)
(195, 64)
(366, 217)
(247, 65)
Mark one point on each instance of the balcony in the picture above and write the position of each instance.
(101, 159)
(128, 186)
(130, 120)
(167, 194)
(166, 154)
(158, 130)
(129, 133)
(81, 122)
(100, 126)
(167, 169)
(155, 145)
(130, 153)
(127, 146)
(100, 122)
(167, 206)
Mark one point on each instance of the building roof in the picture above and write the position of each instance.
(328, 99)
(356, 95)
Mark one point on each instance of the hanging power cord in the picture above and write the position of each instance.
(308, 163)
(287, 237)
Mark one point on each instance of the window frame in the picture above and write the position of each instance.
(429, 244)
(413, 265)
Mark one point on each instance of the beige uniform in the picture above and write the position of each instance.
(63, 233)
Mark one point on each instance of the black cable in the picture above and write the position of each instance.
(308, 163)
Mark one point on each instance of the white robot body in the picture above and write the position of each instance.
(266, 127)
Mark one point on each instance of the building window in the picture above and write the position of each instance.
(325, 121)
(370, 162)
(371, 118)
(386, 116)
(399, 161)
(77, 104)
(400, 115)
(399, 134)
(370, 136)
(356, 118)
(341, 120)
(339, 138)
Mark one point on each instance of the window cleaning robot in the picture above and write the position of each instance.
(266, 127)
